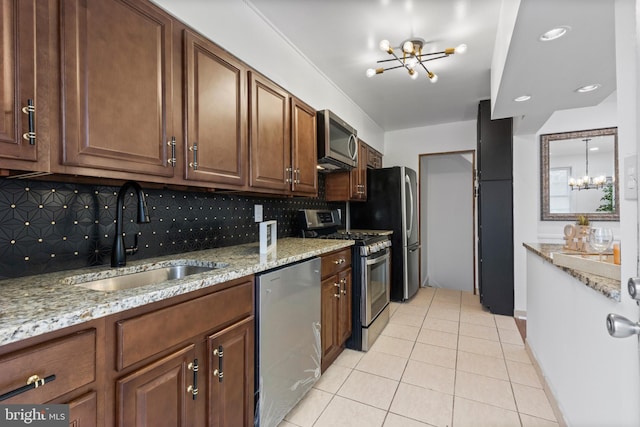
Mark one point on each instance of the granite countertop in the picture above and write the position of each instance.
(606, 286)
(35, 305)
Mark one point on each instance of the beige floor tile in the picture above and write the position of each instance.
(429, 376)
(393, 306)
(533, 401)
(418, 302)
(510, 337)
(442, 339)
(479, 331)
(523, 373)
(516, 353)
(370, 389)
(331, 380)
(472, 308)
(348, 413)
(479, 346)
(468, 298)
(349, 358)
(431, 407)
(441, 325)
(505, 322)
(468, 413)
(478, 318)
(529, 421)
(435, 355)
(413, 311)
(404, 332)
(449, 295)
(385, 365)
(441, 313)
(444, 305)
(394, 420)
(285, 423)
(394, 346)
(484, 389)
(493, 367)
(407, 319)
(309, 408)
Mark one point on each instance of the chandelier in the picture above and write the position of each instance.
(587, 182)
(412, 58)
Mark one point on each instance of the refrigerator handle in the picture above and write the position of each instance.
(407, 181)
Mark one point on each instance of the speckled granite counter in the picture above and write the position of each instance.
(35, 305)
(608, 287)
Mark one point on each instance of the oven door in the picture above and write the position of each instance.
(376, 285)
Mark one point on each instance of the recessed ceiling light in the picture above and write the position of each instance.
(523, 98)
(589, 88)
(554, 33)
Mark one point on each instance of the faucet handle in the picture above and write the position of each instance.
(132, 250)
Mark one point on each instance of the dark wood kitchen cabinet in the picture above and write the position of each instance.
(165, 370)
(71, 362)
(116, 61)
(20, 59)
(495, 212)
(336, 304)
(281, 161)
(216, 114)
(349, 185)
(374, 158)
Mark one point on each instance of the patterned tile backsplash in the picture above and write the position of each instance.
(52, 226)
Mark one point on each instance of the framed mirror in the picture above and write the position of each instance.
(579, 175)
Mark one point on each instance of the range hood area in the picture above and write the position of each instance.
(337, 143)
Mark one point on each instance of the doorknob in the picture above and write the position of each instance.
(621, 327)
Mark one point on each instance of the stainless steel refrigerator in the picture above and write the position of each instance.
(392, 204)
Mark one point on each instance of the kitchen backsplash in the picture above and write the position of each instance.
(52, 226)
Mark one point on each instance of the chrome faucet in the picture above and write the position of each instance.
(119, 252)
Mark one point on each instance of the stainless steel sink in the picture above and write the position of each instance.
(148, 277)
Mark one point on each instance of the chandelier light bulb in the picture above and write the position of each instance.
(432, 77)
(412, 62)
(461, 48)
(407, 47)
(384, 45)
(371, 72)
(413, 74)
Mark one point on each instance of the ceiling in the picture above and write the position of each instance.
(341, 39)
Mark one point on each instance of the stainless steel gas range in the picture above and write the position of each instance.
(371, 267)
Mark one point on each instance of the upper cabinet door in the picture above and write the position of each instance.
(216, 139)
(17, 68)
(305, 148)
(116, 58)
(270, 137)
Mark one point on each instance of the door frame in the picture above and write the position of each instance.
(474, 195)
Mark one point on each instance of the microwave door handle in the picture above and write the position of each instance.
(352, 143)
(407, 181)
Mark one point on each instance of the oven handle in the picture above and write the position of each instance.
(378, 259)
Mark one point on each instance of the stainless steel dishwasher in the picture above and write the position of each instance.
(287, 339)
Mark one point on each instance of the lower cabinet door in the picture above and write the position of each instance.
(158, 395)
(329, 314)
(344, 318)
(83, 411)
(230, 375)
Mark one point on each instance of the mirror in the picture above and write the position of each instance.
(579, 175)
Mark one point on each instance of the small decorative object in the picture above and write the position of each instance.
(268, 236)
(600, 239)
(576, 236)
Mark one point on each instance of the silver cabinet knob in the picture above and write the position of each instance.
(621, 327)
(633, 286)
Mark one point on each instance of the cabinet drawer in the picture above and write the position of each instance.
(72, 359)
(336, 261)
(149, 334)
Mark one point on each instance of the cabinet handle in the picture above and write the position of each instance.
(30, 111)
(172, 161)
(194, 149)
(289, 175)
(339, 261)
(344, 282)
(219, 372)
(193, 389)
(34, 381)
(297, 176)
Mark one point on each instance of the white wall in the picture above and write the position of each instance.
(237, 27)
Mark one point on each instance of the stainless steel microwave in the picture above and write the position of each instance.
(337, 142)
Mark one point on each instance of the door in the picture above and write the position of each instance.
(230, 372)
(157, 395)
(270, 137)
(344, 320)
(116, 77)
(216, 114)
(329, 317)
(305, 148)
(18, 71)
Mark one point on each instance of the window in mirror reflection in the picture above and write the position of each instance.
(579, 175)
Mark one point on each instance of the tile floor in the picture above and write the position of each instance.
(441, 361)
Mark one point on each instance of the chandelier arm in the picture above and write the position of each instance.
(393, 68)
(430, 59)
(442, 53)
